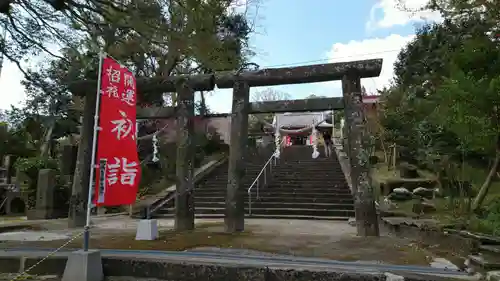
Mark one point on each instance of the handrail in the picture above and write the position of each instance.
(174, 194)
(171, 196)
(3, 203)
(262, 171)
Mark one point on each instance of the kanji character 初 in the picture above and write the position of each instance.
(114, 75)
(129, 97)
(123, 127)
(112, 91)
(129, 80)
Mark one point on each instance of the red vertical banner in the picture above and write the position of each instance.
(118, 169)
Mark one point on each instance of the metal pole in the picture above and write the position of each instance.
(258, 183)
(265, 174)
(86, 234)
(250, 203)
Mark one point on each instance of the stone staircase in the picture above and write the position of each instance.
(210, 192)
(299, 187)
(305, 188)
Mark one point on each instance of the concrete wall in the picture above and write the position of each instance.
(222, 125)
(162, 270)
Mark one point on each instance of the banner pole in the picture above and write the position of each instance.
(86, 234)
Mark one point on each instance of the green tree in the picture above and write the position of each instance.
(468, 103)
(155, 39)
(420, 69)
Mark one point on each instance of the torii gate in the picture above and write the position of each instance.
(350, 73)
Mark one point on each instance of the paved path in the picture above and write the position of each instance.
(233, 258)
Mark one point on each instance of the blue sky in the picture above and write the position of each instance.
(293, 32)
(318, 31)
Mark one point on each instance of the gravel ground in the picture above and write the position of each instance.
(324, 239)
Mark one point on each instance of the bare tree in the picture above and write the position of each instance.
(313, 96)
(270, 95)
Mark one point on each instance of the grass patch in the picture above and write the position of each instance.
(209, 234)
(6, 219)
(172, 241)
(21, 227)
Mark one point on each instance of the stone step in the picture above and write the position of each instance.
(314, 164)
(272, 211)
(306, 188)
(305, 157)
(310, 182)
(299, 190)
(319, 166)
(289, 175)
(483, 238)
(310, 165)
(490, 249)
(262, 193)
(223, 181)
(484, 262)
(298, 172)
(299, 178)
(290, 162)
(297, 187)
(306, 174)
(322, 200)
(272, 189)
(260, 216)
(225, 172)
(299, 181)
(279, 185)
(290, 171)
(282, 205)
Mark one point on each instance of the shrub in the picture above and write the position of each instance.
(32, 165)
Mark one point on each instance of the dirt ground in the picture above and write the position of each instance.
(324, 239)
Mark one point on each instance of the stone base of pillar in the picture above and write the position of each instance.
(84, 266)
(101, 211)
(147, 230)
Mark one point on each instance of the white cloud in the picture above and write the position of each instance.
(400, 12)
(12, 92)
(238, 6)
(385, 48)
(219, 100)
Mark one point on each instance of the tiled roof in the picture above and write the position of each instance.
(300, 119)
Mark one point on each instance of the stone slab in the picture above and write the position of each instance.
(84, 266)
(161, 267)
(493, 275)
(147, 230)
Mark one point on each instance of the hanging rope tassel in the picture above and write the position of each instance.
(155, 149)
(277, 142)
(315, 153)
